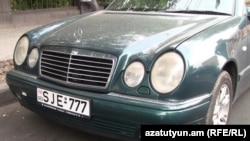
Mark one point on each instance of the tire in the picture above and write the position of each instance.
(221, 101)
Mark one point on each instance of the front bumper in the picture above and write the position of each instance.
(111, 113)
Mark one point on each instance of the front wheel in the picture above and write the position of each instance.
(220, 105)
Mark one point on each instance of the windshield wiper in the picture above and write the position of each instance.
(197, 12)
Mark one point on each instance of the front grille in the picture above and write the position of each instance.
(79, 67)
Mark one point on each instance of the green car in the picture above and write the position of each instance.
(136, 62)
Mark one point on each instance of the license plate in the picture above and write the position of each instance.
(66, 104)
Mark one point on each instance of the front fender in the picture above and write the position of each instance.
(207, 53)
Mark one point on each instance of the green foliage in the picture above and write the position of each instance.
(104, 2)
(39, 4)
(17, 5)
(141, 5)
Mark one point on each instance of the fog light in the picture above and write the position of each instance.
(24, 94)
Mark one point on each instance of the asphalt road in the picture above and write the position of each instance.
(20, 124)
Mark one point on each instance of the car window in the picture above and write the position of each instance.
(223, 6)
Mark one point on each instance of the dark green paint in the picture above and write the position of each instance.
(207, 44)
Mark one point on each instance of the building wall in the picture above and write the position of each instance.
(30, 17)
(13, 24)
(5, 6)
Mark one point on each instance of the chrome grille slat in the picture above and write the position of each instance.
(89, 71)
(54, 74)
(96, 67)
(50, 64)
(51, 56)
(92, 62)
(45, 59)
(54, 69)
(70, 73)
(76, 66)
(96, 59)
(86, 80)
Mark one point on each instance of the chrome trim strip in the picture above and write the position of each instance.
(78, 52)
(59, 57)
(170, 103)
(54, 51)
(25, 74)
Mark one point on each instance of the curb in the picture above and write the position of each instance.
(6, 97)
(3, 87)
(5, 66)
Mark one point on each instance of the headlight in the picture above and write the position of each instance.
(134, 74)
(33, 57)
(21, 50)
(167, 72)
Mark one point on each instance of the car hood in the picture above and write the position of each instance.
(133, 32)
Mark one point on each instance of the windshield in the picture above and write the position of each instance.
(220, 6)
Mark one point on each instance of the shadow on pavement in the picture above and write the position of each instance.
(6, 97)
